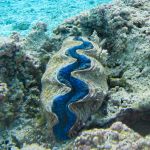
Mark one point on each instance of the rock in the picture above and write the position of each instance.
(118, 136)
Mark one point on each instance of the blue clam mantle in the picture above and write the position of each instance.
(79, 89)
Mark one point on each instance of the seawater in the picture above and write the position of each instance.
(21, 15)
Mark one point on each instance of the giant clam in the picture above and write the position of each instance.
(73, 86)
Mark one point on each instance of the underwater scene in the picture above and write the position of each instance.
(74, 74)
(21, 15)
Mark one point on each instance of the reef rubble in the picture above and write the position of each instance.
(122, 31)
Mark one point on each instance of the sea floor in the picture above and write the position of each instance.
(20, 15)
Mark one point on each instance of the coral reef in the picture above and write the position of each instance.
(83, 81)
(125, 28)
(22, 64)
(121, 30)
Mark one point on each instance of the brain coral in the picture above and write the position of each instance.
(73, 86)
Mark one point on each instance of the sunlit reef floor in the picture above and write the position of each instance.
(20, 15)
(123, 29)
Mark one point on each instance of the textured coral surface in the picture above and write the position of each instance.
(117, 137)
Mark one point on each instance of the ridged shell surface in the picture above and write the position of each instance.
(73, 86)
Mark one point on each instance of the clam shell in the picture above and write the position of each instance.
(94, 76)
